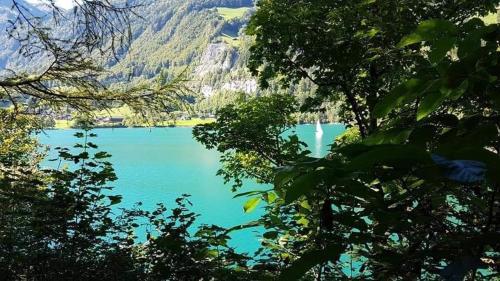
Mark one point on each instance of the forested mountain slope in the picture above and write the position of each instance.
(172, 35)
(9, 48)
(201, 37)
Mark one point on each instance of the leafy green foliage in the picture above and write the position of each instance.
(309, 260)
(350, 49)
(393, 180)
(66, 224)
(251, 134)
(394, 197)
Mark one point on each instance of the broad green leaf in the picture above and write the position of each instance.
(389, 155)
(398, 96)
(354, 150)
(305, 204)
(460, 91)
(429, 30)
(475, 29)
(440, 48)
(392, 136)
(357, 189)
(430, 103)
(251, 204)
(212, 253)
(310, 259)
(368, 34)
(270, 197)
(303, 221)
(302, 185)
(283, 176)
(372, 32)
(101, 155)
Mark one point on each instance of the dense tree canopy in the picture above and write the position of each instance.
(415, 195)
(348, 48)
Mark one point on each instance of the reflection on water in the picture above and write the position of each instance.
(318, 141)
(318, 146)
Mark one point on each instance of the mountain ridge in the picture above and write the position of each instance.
(169, 37)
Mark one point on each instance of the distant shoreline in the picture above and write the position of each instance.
(68, 124)
(166, 126)
(122, 127)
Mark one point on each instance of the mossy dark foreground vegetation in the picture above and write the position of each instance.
(411, 191)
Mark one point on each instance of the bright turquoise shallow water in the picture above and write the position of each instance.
(160, 164)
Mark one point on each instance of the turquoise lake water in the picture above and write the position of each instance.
(160, 164)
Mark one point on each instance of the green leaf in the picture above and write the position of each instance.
(475, 29)
(429, 30)
(391, 136)
(398, 96)
(101, 155)
(356, 189)
(283, 176)
(389, 155)
(440, 48)
(430, 103)
(367, 2)
(271, 235)
(303, 221)
(270, 197)
(249, 193)
(115, 199)
(244, 226)
(251, 204)
(410, 40)
(460, 91)
(310, 259)
(301, 186)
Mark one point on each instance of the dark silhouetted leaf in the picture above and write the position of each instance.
(310, 259)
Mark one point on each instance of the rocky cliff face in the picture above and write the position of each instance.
(217, 57)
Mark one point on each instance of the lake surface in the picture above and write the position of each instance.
(160, 164)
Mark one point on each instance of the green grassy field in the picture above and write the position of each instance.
(229, 14)
(193, 122)
(232, 13)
